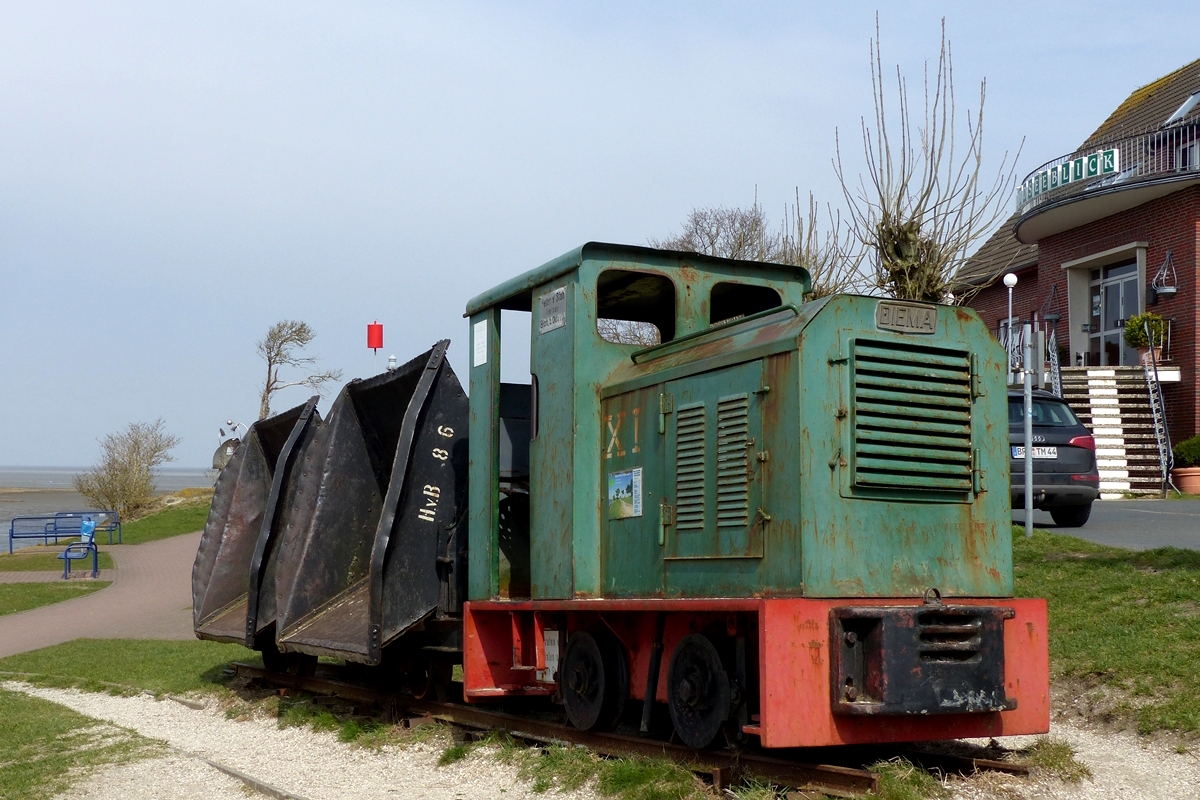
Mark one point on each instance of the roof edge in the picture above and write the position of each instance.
(571, 260)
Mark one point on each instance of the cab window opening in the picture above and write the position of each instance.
(730, 301)
(635, 308)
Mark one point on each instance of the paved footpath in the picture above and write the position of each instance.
(150, 598)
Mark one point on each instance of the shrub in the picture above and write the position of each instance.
(1187, 452)
(123, 481)
(1135, 330)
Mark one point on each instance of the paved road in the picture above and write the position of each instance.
(1135, 524)
(150, 598)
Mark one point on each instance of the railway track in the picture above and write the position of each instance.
(725, 767)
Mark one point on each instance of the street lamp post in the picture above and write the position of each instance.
(1010, 280)
(1027, 374)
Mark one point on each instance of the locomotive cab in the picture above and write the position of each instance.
(535, 535)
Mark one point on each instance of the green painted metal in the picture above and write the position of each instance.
(775, 455)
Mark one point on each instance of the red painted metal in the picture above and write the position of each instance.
(375, 335)
(788, 640)
(795, 672)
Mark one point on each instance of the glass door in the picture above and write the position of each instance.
(1114, 299)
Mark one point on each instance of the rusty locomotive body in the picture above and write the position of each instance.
(770, 518)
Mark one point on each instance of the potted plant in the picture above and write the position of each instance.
(1186, 474)
(1135, 331)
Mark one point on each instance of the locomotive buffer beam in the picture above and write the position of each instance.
(832, 780)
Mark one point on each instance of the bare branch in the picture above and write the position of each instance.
(832, 259)
(921, 208)
(281, 348)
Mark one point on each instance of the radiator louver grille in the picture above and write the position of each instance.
(912, 417)
(689, 468)
(733, 473)
(949, 636)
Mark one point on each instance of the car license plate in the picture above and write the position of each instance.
(1018, 451)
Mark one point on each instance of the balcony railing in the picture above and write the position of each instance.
(1159, 153)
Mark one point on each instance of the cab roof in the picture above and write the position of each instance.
(516, 294)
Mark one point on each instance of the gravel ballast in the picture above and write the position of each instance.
(314, 765)
(299, 761)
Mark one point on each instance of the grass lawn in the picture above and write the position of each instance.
(16, 597)
(44, 747)
(42, 559)
(143, 664)
(170, 521)
(1122, 620)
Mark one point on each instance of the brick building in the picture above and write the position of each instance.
(1108, 231)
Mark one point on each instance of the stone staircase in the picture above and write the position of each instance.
(1114, 404)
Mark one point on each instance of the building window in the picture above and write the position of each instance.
(1188, 106)
(1185, 156)
(1113, 297)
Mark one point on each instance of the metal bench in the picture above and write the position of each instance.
(77, 550)
(64, 524)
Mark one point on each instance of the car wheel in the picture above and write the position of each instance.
(1071, 516)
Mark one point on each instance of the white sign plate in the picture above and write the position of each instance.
(552, 310)
(480, 344)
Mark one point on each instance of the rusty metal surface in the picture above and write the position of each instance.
(260, 598)
(929, 659)
(225, 576)
(843, 780)
(371, 544)
(965, 765)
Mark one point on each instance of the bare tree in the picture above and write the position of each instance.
(281, 348)
(922, 206)
(123, 481)
(832, 260)
(743, 233)
(627, 331)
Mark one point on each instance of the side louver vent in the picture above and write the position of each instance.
(689, 468)
(949, 636)
(912, 417)
(733, 461)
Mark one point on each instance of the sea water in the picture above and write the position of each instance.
(45, 490)
(167, 479)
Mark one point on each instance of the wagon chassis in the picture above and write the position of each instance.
(723, 766)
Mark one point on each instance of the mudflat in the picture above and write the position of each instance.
(16, 502)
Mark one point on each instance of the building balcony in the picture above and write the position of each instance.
(1106, 178)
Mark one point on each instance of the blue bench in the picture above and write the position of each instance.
(81, 549)
(64, 524)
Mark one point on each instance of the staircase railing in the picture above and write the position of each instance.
(1055, 367)
(1158, 411)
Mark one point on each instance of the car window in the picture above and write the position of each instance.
(1048, 413)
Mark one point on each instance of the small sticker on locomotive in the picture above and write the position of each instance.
(625, 494)
(905, 317)
(547, 675)
(552, 310)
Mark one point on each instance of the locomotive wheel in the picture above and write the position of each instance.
(300, 664)
(697, 691)
(594, 680)
(430, 678)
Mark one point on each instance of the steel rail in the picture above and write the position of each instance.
(721, 765)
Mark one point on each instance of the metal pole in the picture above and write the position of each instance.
(1008, 346)
(1026, 367)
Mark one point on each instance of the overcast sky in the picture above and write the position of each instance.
(175, 177)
